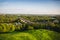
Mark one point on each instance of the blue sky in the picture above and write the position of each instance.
(30, 6)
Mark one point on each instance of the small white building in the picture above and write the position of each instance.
(56, 21)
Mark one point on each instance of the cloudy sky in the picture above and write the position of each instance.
(30, 6)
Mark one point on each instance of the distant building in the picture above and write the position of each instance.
(18, 23)
(56, 21)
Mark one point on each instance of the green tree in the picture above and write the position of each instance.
(30, 28)
(4, 27)
(18, 27)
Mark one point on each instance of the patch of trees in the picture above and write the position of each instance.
(4, 27)
(39, 22)
(7, 18)
(58, 17)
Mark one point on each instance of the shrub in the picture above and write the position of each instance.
(36, 26)
(2, 28)
(7, 27)
(51, 24)
(18, 27)
(11, 27)
(30, 28)
(42, 25)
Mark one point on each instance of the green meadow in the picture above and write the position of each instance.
(39, 34)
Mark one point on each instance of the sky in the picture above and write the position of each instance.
(30, 6)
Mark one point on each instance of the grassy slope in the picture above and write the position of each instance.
(31, 35)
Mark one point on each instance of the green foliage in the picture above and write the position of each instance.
(4, 27)
(58, 17)
(30, 28)
(35, 26)
(31, 35)
(12, 27)
(18, 27)
(44, 34)
(30, 22)
(7, 24)
(50, 24)
(57, 25)
(7, 18)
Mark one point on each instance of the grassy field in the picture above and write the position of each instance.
(40, 34)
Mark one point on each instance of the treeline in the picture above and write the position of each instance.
(10, 27)
(4, 27)
(7, 18)
(36, 18)
(58, 17)
(10, 23)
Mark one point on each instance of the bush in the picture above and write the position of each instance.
(2, 28)
(7, 27)
(51, 24)
(42, 25)
(36, 26)
(18, 27)
(30, 28)
(11, 27)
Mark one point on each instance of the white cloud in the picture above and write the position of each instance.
(29, 8)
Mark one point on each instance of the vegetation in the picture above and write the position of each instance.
(31, 35)
(33, 27)
(4, 27)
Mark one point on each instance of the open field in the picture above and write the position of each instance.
(40, 34)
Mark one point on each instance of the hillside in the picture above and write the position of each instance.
(33, 27)
(40, 34)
